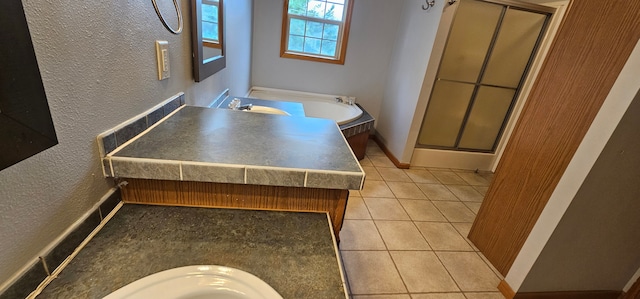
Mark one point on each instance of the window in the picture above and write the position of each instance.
(316, 29)
(211, 23)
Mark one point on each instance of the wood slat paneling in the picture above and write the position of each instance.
(253, 197)
(590, 49)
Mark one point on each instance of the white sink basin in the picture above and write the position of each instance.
(267, 110)
(198, 282)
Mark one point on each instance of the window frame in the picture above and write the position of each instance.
(209, 43)
(343, 36)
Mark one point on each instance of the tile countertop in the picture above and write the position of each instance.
(292, 252)
(226, 146)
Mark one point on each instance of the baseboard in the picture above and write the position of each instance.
(506, 290)
(570, 295)
(387, 152)
(508, 293)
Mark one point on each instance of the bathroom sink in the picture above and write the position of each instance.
(198, 282)
(267, 110)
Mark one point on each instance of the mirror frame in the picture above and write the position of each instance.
(203, 70)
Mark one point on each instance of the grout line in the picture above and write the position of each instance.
(68, 260)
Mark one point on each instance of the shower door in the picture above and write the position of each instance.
(486, 57)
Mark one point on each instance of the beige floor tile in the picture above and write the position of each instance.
(422, 272)
(385, 209)
(466, 193)
(355, 193)
(403, 296)
(473, 206)
(371, 173)
(360, 235)
(492, 295)
(372, 272)
(373, 149)
(448, 177)
(437, 192)
(406, 190)
(393, 174)
(422, 210)
(356, 209)
(381, 161)
(421, 176)
(487, 175)
(455, 211)
(463, 228)
(469, 271)
(486, 261)
(473, 178)
(417, 167)
(375, 189)
(401, 235)
(365, 162)
(443, 236)
(438, 169)
(438, 296)
(481, 189)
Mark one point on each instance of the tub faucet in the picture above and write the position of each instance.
(351, 100)
(339, 100)
(236, 105)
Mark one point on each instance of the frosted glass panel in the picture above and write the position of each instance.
(469, 40)
(485, 120)
(446, 111)
(514, 45)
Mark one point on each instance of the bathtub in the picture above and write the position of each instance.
(315, 104)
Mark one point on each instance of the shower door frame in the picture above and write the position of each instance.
(507, 4)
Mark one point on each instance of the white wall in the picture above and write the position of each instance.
(615, 105)
(373, 28)
(98, 65)
(413, 46)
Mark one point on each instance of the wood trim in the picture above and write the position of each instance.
(570, 295)
(633, 292)
(506, 289)
(253, 197)
(389, 154)
(592, 45)
(346, 25)
(358, 144)
(211, 45)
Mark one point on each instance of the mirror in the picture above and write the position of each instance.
(207, 38)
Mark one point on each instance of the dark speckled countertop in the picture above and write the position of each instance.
(226, 146)
(292, 252)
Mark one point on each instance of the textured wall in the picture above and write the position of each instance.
(98, 65)
(408, 66)
(373, 27)
(595, 245)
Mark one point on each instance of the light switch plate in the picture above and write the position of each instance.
(162, 54)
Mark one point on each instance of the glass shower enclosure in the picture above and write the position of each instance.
(486, 58)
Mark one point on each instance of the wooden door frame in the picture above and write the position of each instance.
(554, 121)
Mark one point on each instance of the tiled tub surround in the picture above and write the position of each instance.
(292, 252)
(47, 264)
(356, 131)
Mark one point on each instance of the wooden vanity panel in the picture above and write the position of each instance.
(358, 144)
(252, 197)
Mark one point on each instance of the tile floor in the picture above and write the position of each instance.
(404, 234)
